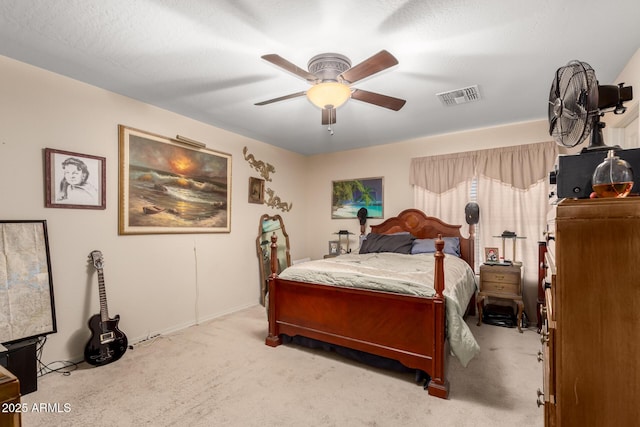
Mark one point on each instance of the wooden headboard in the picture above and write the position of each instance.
(426, 227)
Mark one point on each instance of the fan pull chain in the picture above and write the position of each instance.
(330, 121)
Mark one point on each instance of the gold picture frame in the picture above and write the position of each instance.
(170, 186)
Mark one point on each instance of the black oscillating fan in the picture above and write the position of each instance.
(572, 100)
(576, 103)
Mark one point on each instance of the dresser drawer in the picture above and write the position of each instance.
(547, 338)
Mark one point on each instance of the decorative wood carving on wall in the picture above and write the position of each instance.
(264, 168)
(275, 202)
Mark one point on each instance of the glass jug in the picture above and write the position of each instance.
(613, 177)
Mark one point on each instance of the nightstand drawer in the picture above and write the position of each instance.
(501, 277)
(502, 287)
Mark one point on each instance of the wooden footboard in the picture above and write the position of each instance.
(405, 328)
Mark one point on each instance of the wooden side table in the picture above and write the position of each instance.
(501, 281)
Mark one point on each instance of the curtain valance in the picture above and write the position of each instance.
(521, 166)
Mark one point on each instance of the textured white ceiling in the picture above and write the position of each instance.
(201, 58)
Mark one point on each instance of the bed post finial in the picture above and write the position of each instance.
(274, 255)
(438, 276)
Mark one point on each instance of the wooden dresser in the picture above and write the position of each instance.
(10, 407)
(591, 318)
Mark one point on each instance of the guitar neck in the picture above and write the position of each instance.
(104, 310)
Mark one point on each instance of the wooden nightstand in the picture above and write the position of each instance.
(501, 281)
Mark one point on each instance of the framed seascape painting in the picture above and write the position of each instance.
(349, 196)
(74, 180)
(170, 187)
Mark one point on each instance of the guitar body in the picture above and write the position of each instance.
(107, 343)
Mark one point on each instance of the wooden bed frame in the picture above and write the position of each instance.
(405, 328)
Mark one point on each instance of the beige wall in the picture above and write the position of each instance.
(630, 76)
(156, 283)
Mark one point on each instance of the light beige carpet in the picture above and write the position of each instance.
(221, 374)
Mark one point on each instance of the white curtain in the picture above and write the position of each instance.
(442, 185)
(503, 207)
(512, 192)
(445, 206)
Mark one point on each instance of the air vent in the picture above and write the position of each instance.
(459, 96)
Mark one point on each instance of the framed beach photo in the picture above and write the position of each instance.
(348, 196)
(167, 186)
(74, 180)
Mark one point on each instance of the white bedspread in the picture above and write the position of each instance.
(406, 274)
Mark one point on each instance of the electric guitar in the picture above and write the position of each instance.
(107, 343)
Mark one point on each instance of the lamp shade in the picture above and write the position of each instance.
(329, 94)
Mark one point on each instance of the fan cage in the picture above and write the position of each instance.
(573, 101)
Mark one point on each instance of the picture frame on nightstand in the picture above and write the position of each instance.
(491, 255)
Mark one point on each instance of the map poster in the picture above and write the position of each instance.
(26, 287)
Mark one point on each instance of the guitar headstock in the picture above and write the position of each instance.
(96, 258)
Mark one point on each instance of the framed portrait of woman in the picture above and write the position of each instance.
(74, 180)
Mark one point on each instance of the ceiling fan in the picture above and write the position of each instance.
(331, 76)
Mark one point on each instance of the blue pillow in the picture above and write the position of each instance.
(428, 246)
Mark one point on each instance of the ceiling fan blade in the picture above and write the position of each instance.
(377, 99)
(328, 116)
(282, 98)
(378, 62)
(290, 67)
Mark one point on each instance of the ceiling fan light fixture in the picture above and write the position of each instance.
(329, 94)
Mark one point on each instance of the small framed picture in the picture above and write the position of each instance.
(74, 180)
(256, 190)
(491, 255)
(334, 247)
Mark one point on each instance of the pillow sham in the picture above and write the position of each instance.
(398, 243)
(428, 246)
